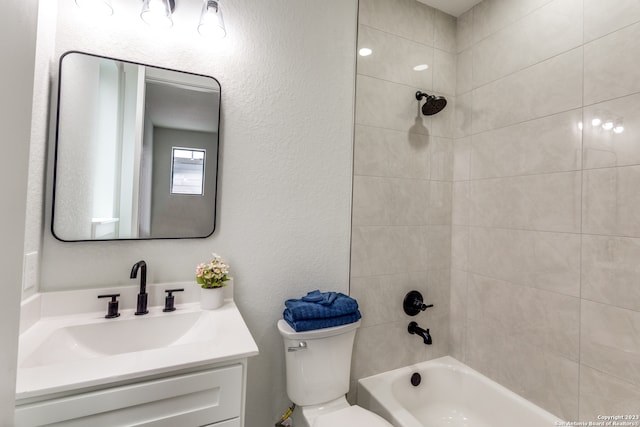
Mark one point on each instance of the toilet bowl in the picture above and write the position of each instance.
(318, 364)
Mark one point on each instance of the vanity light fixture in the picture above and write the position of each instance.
(157, 13)
(211, 21)
(97, 7)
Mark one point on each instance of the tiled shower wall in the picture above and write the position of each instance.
(545, 279)
(402, 181)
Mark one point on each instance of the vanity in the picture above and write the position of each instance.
(187, 367)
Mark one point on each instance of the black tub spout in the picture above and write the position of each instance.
(424, 333)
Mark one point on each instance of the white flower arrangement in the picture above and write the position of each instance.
(212, 274)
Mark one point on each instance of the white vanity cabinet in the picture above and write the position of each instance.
(211, 397)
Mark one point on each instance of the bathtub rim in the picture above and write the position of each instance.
(378, 388)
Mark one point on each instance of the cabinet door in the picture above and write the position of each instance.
(189, 400)
(229, 423)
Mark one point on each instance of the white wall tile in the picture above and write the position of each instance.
(610, 340)
(444, 80)
(464, 30)
(548, 202)
(602, 18)
(406, 18)
(464, 72)
(393, 58)
(441, 155)
(445, 32)
(542, 260)
(602, 394)
(461, 158)
(611, 202)
(458, 314)
(607, 65)
(462, 203)
(610, 270)
(546, 32)
(386, 152)
(548, 380)
(604, 148)
(388, 105)
(460, 247)
(543, 89)
(492, 15)
(548, 144)
(380, 297)
(551, 323)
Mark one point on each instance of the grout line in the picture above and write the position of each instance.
(508, 23)
(353, 148)
(406, 132)
(609, 374)
(527, 67)
(581, 219)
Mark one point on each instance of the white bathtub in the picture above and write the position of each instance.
(450, 394)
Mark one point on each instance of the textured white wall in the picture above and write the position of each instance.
(17, 48)
(287, 74)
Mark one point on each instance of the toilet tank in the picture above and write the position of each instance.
(320, 372)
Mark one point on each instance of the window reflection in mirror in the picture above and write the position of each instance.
(121, 167)
(187, 171)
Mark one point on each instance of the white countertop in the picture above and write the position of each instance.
(221, 336)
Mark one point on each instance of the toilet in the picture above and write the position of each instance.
(318, 364)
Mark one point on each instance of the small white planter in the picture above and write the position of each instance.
(211, 298)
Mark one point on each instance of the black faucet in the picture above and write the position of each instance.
(142, 296)
(424, 333)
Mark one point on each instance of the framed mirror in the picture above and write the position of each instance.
(136, 151)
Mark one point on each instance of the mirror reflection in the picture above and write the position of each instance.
(136, 151)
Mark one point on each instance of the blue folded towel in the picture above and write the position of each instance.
(322, 305)
(324, 298)
(328, 322)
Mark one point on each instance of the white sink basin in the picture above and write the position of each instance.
(116, 336)
(62, 353)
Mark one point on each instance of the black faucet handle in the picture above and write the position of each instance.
(414, 303)
(112, 310)
(170, 299)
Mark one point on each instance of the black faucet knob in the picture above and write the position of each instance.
(414, 303)
(170, 299)
(112, 310)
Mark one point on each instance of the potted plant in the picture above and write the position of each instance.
(212, 278)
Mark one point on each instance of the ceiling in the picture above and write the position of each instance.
(452, 7)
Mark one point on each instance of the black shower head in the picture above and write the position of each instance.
(433, 105)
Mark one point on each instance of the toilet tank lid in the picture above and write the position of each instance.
(351, 416)
(288, 332)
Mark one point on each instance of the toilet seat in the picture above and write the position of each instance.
(349, 417)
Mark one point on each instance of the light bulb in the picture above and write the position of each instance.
(157, 13)
(421, 67)
(211, 21)
(608, 125)
(580, 125)
(596, 122)
(365, 51)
